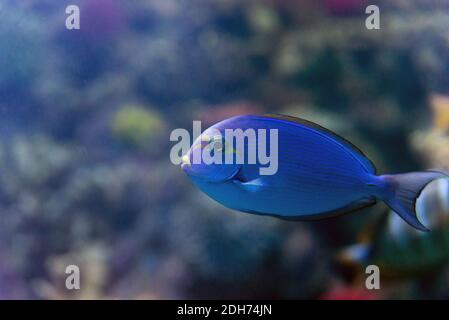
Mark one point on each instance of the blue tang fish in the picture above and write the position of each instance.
(319, 173)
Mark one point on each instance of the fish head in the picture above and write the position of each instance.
(211, 158)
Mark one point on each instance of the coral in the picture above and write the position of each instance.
(85, 115)
(137, 126)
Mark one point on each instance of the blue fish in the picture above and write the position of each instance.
(319, 173)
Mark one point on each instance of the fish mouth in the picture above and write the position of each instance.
(185, 161)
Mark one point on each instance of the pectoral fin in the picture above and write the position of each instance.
(251, 186)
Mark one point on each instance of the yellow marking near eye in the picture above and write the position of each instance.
(228, 148)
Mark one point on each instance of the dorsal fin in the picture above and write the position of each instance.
(369, 166)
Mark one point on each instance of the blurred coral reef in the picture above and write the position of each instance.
(85, 117)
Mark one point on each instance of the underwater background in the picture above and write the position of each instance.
(85, 120)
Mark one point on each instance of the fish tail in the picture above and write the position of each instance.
(402, 190)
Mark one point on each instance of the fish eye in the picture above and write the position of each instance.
(216, 144)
